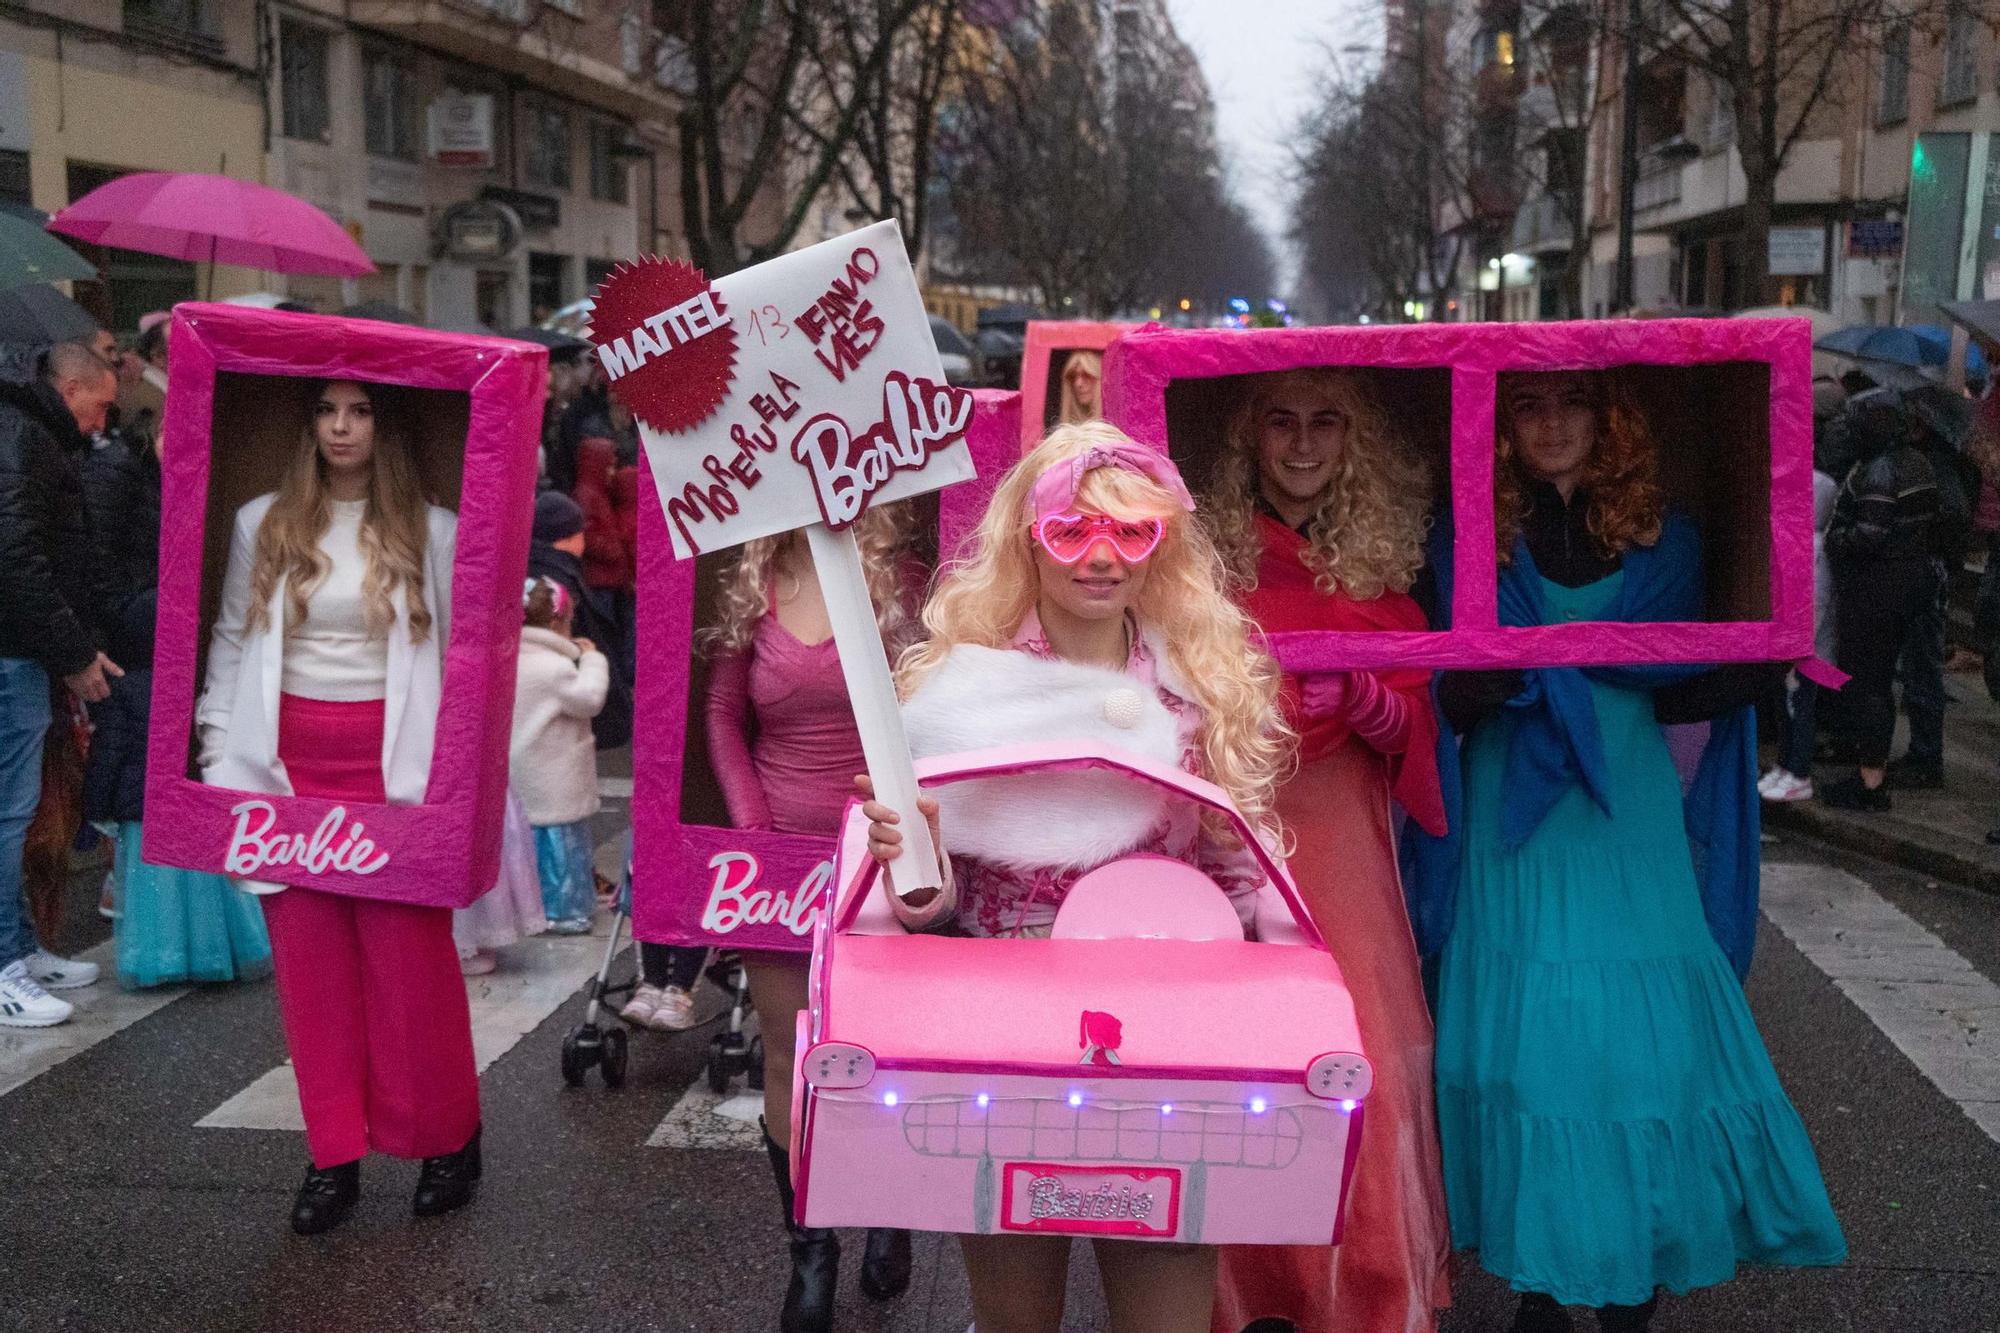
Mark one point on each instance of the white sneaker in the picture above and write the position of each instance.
(1788, 789)
(1771, 775)
(24, 1004)
(639, 1009)
(58, 973)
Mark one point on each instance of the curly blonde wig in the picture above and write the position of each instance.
(882, 533)
(394, 530)
(1367, 535)
(1626, 503)
(983, 597)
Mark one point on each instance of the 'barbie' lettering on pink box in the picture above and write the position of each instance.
(1728, 401)
(1155, 1078)
(696, 880)
(238, 380)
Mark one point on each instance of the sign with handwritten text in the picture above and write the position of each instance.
(835, 400)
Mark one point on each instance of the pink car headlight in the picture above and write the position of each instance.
(1340, 1076)
(839, 1064)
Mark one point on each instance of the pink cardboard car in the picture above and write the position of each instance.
(1144, 1073)
(236, 400)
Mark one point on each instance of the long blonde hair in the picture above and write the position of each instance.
(982, 598)
(394, 530)
(1367, 535)
(1070, 411)
(882, 533)
(1627, 505)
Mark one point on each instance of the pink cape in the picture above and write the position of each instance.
(1390, 1274)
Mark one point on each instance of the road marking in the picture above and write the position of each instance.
(102, 1011)
(537, 976)
(700, 1119)
(1934, 1005)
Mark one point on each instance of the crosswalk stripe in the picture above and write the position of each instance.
(537, 976)
(1933, 1004)
(102, 1011)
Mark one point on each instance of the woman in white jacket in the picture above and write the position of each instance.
(324, 676)
(552, 761)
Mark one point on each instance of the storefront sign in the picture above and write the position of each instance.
(1874, 239)
(461, 129)
(1796, 251)
(479, 229)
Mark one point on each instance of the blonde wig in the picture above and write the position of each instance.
(882, 533)
(1366, 537)
(1626, 503)
(1070, 411)
(983, 597)
(394, 530)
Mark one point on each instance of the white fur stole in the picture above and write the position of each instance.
(984, 697)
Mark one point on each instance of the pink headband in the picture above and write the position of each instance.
(1055, 490)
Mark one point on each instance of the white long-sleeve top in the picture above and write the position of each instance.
(332, 655)
(552, 758)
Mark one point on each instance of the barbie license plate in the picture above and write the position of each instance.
(1077, 1200)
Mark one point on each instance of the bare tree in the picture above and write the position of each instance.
(758, 71)
(1783, 63)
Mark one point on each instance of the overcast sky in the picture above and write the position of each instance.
(1263, 59)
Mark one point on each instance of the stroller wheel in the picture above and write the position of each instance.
(717, 1068)
(579, 1053)
(754, 1065)
(612, 1058)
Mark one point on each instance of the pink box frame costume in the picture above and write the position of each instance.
(711, 885)
(444, 852)
(1140, 367)
(1218, 1098)
(1046, 339)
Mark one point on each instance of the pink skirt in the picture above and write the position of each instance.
(332, 751)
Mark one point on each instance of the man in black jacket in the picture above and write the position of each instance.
(48, 600)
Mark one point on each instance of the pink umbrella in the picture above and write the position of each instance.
(188, 215)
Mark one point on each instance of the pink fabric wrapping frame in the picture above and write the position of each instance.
(1140, 366)
(1046, 337)
(445, 852)
(679, 869)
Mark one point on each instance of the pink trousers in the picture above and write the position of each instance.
(370, 992)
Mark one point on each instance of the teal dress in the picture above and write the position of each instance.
(1610, 1119)
(178, 925)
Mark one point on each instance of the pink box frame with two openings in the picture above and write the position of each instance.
(1049, 343)
(710, 884)
(444, 852)
(1765, 361)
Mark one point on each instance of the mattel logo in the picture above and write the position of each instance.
(1090, 1200)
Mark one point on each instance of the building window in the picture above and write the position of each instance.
(545, 284)
(389, 100)
(548, 146)
(609, 170)
(1895, 105)
(14, 184)
(1960, 82)
(187, 25)
(302, 61)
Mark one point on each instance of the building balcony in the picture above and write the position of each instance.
(1541, 226)
(572, 58)
(1658, 186)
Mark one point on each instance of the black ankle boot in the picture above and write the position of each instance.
(1539, 1313)
(1626, 1318)
(885, 1265)
(815, 1259)
(446, 1183)
(326, 1198)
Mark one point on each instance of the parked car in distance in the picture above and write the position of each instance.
(1002, 352)
(960, 357)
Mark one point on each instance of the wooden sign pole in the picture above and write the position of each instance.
(872, 691)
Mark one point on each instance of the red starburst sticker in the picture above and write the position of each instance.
(664, 338)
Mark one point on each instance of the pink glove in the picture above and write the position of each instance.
(1373, 711)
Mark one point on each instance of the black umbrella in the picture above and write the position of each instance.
(549, 338)
(1950, 416)
(388, 312)
(1980, 317)
(41, 315)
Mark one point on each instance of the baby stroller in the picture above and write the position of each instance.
(603, 1044)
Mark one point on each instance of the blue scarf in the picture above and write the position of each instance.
(1556, 745)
